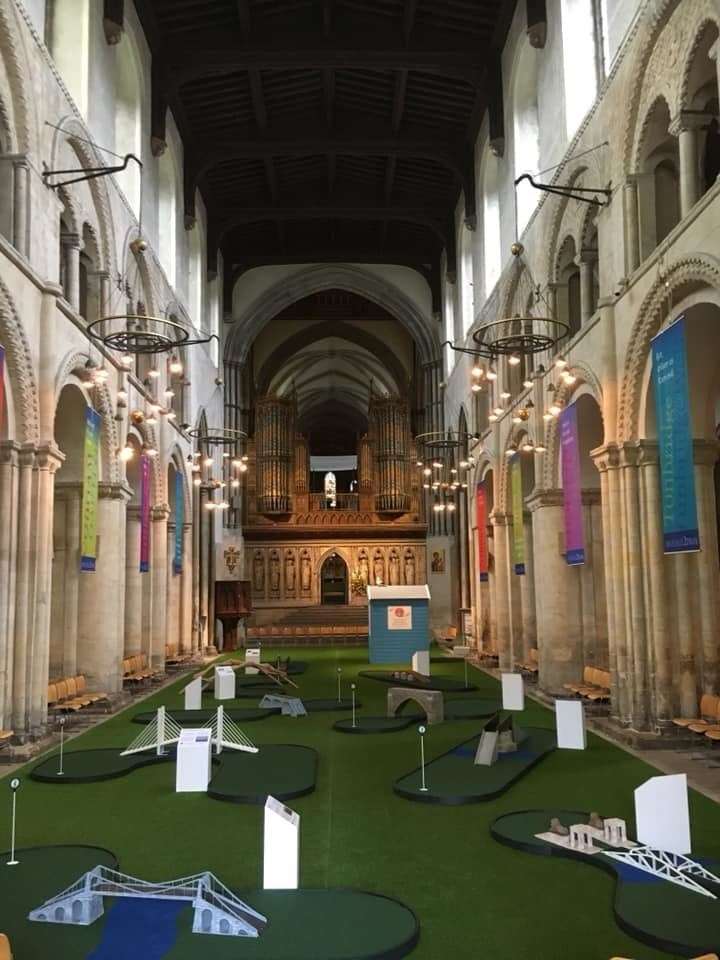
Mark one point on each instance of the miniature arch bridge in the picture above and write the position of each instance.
(217, 909)
(673, 867)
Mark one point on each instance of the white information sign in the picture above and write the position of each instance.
(421, 662)
(662, 815)
(252, 655)
(570, 724)
(281, 856)
(193, 694)
(194, 760)
(513, 691)
(400, 618)
(224, 683)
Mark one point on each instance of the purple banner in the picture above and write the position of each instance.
(144, 513)
(572, 486)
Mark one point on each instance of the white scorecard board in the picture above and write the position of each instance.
(194, 761)
(224, 683)
(513, 691)
(193, 694)
(281, 856)
(662, 815)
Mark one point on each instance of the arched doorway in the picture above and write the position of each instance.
(333, 580)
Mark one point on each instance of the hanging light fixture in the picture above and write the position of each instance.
(175, 366)
(126, 453)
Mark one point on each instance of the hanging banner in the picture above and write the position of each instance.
(674, 431)
(518, 515)
(572, 487)
(2, 385)
(482, 540)
(179, 521)
(144, 513)
(88, 532)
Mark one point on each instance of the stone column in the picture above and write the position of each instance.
(502, 589)
(527, 595)
(48, 460)
(632, 224)
(557, 592)
(70, 244)
(706, 562)
(133, 583)
(159, 580)
(21, 173)
(71, 495)
(586, 262)
(9, 454)
(660, 631)
(174, 581)
(686, 128)
(101, 630)
(586, 578)
(23, 592)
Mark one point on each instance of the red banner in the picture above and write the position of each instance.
(482, 540)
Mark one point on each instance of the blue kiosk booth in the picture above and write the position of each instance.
(399, 623)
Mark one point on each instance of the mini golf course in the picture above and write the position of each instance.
(658, 913)
(454, 779)
(473, 897)
(284, 771)
(305, 924)
(434, 682)
(469, 709)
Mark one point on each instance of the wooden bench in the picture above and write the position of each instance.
(708, 715)
(5, 951)
(489, 655)
(70, 695)
(595, 685)
(173, 658)
(136, 671)
(5, 737)
(531, 665)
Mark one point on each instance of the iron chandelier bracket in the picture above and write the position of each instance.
(86, 173)
(142, 335)
(570, 193)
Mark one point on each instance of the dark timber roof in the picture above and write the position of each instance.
(326, 130)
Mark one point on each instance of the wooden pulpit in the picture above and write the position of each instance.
(232, 604)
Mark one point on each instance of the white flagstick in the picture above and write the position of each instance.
(352, 687)
(61, 721)
(339, 675)
(421, 731)
(14, 784)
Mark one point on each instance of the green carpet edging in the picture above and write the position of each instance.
(92, 766)
(658, 913)
(196, 718)
(453, 779)
(307, 924)
(371, 725)
(283, 770)
(448, 684)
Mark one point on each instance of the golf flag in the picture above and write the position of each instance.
(88, 533)
(572, 487)
(179, 522)
(144, 513)
(674, 431)
(518, 515)
(482, 542)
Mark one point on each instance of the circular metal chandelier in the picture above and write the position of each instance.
(217, 436)
(140, 334)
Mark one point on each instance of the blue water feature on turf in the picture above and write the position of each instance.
(139, 928)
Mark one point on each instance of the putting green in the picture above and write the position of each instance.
(42, 872)
(283, 770)
(453, 778)
(434, 682)
(471, 708)
(326, 924)
(657, 912)
(378, 724)
(90, 766)
(196, 718)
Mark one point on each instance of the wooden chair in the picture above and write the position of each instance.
(94, 696)
(705, 702)
(5, 737)
(5, 951)
(709, 715)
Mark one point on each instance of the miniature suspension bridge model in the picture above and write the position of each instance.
(216, 908)
(673, 867)
(163, 732)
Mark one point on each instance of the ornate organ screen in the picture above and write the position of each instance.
(275, 441)
(391, 436)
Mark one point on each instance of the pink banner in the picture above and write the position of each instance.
(572, 487)
(482, 541)
(144, 513)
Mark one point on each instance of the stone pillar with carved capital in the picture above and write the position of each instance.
(502, 589)
(159, 575)
(133, 583)
(9, 465)
(632, 224)
(706, 561)
(686, 127)
(70, 245)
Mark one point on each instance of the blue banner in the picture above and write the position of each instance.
(572, 486)
(179, 522)
(675, 440)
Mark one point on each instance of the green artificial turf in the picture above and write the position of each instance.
(475, 899)
(196, 718)
(434, 682)
(283, 771)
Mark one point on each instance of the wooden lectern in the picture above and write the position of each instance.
(232, 604)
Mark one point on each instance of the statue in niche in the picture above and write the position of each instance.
(409, 568)
(305, 573)
(394, 568)
(379, 569)
(274, 572)
(289, 572)
(364, 567)
(258, 572)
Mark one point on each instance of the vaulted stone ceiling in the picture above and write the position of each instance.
(328, 130)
